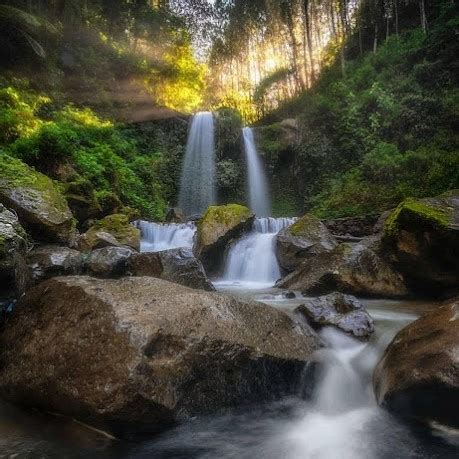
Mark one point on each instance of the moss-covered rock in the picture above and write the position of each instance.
(12, 249)
(82, 200)
(306, 238)
(421, 237)
(39, 203)
(112, 230)
(218, 226)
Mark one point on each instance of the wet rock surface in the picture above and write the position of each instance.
(349, 268)
(341, 311)
(418, 376)
(138, 354)
(109, 261)
(302, 241)
(175, 265)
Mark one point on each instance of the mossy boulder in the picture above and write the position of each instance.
(216, 229)
(306, 238)
(82, 200)
(418, 376)
(12, 250)
(421, 238)
(349, 268)
(113, 230)
(41, 207)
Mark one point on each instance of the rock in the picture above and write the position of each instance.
(50, 260)
(421, 238)
(349, 268)
(353, 226)
(109, 261)
(342, 311)
(13, 247)
(175, 265)
(175, 215)
(301, 241)
(137, 354)
(40, 206)
(418, 376)
(216, 229)
(82, 200)
(113, 230)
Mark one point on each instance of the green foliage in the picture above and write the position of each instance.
(228, 125)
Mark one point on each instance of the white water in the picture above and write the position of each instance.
(257, 184)
(251, 261)
(197, 185)
(156, 237)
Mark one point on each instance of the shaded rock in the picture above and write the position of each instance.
(216, 229)
(175, 265)
(301, 241)
(342, 311)
(353, 226)
(418, 376)
(109, 261)
(50, 260)
(421, 238)
(113, 230)
(137, 354)
(175, 215)
(41, 207)
(82, 200)
(13, 247)
(349, 268)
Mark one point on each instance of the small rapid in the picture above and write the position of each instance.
(251, 261)
(156, 237)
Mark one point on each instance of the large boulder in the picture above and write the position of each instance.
(349, 268)
(301, 241)
(109, 261)
(50, 260)
(216, 229)
(418, 376)
(113, 230)
(421, 238)
(39, 204)
(341, 311)
(12, 250)
(137, 354)
(175, 265)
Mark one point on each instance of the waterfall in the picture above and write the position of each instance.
(156, 237)
(257, 185)
(197, 185)
(252, 261)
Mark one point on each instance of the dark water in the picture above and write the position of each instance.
(341, 420)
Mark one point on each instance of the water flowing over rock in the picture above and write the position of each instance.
(301, 241)
(216, 229)
(421, 238)
(418, 375)
(138, 354)
(175, 265)
(198, 185)
(257, 184)
(252, 259)
(342, 311)
(349, 268)
(156, 237)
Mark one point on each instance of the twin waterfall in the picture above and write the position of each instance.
(251, 261)
(198, 184)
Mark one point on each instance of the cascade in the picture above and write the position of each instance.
(252, 260)
(157, 237)
(257, 184)
(197, 185)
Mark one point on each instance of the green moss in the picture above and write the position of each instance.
(304, 225)
(412, 209)
(116, 224)
(16, 174)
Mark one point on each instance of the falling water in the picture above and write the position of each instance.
(257, 184)
(252, 260)
(157, 237)
(197, 185)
